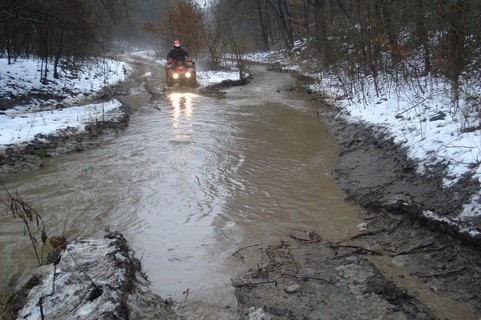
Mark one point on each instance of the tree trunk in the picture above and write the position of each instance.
(321, 31)
(284, 20)
(422, 36)
(58, 56)
(7, 44)
(306, 20)
(261, 10)
(456, 37)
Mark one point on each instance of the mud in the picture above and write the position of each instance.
(309, 279)
(399, 264)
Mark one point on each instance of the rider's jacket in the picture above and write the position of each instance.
(177, 54)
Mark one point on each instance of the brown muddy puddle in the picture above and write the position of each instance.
(189, 183)
(197, 186)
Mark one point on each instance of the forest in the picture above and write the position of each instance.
(350, 39)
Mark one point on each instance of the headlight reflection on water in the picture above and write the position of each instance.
(182, 108)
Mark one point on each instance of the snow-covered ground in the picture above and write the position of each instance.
(425, 121)
(25, 121)
(21, 78)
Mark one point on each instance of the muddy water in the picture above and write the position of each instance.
(196, 185)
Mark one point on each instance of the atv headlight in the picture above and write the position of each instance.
(187, 74)
(175, 76)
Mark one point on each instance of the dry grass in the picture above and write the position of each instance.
(7, 305)
(31, 219)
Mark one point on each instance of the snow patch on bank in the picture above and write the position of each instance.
(207, 78)
(22, 124)
(25, 120)
(96, 278)
(23, 77)
(472, 232)
(426, 126)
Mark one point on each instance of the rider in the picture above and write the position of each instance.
(177, 54)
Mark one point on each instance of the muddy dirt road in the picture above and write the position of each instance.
(204, 188)
(191, 181)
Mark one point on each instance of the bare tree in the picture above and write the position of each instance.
(182, 20)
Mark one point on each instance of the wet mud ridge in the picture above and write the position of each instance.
(311, 279)
(370, 275)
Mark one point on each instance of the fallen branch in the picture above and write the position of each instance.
(358, 235)
(305, 278)
(252, 245)
(413, 106)
(315, 278)
(304, 240)
(377, 253)
(436, 249)
(440, 274)
(251, 285)
(409, 251)
(81, 270)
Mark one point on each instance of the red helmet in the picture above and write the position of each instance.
(176, 43)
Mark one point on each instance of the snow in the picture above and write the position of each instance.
(22, 125)
(426, 125)
(413, 124)
(87, 264)
(212, 77)
(23, 122)
(96, 278)
(23, 76)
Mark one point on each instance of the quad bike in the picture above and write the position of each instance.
(181, 73)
